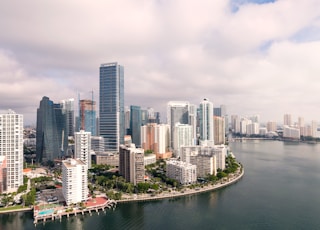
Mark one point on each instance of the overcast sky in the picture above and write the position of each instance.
(256, 57)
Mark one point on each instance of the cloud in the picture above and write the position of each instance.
(253, 56)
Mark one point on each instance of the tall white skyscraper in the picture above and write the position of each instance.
(206, 122)
(82, 148)
(74, 181)
(11, 146)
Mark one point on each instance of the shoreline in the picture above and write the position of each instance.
(166, 195)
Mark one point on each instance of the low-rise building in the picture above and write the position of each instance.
(183, 172)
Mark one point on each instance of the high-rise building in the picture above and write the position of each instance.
(177, 112)
(67, 107)
(88, 116)
(131, 164)
(135, 125)
(156, 137)
(82, 147)
(193, 122)
(52, 135)
(11, 147)
(111, 110)
(183, 137)
(287, 120)
(219, 130)
(206, 122)
(74, 181)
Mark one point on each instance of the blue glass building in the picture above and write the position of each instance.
(135, 124)
(52, 134)
(111, 110)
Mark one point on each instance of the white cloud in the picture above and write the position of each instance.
(262, 57)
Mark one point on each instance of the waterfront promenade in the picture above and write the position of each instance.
(233, 178)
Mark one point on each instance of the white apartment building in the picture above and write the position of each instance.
(82, 149)
(183, 172)
(207, 158)
(206, 121)
(182, 137)
(74, 181)
(11, 146)
(253, 129)
(291, 133)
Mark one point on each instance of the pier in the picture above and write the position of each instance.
(95, 205)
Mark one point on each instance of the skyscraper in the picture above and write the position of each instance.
(135, 124)
(74, 181)
(51, 137)
(206, 122)
(67, 107)
(112, 122)
(11, 139)
(177, 112)
(88, 116)
(287, 120)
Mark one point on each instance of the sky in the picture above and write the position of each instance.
(256, 57)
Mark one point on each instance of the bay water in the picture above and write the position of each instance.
(280, 190)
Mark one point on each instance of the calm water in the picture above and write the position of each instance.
(280, 190)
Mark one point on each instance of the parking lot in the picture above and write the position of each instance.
(50, 196)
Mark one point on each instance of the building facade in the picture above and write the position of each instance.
(74, 181)
(82, 147)
(135, 124)
(52, 134)
(177, 112)
(131, 164)
(219, 130)
(67, 107)
(206, 122)
(111, 110)
(156, 137)
(183, 172)
(3, 174)
(11, 147)
(88, 116)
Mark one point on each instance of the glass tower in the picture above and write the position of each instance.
(206, 121)
(51, 137)
(135, 125)
(111, 111)
(177, 112)
(88, 116)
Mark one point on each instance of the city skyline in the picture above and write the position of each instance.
(256, 57)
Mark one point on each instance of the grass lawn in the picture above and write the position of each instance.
(15, 207)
